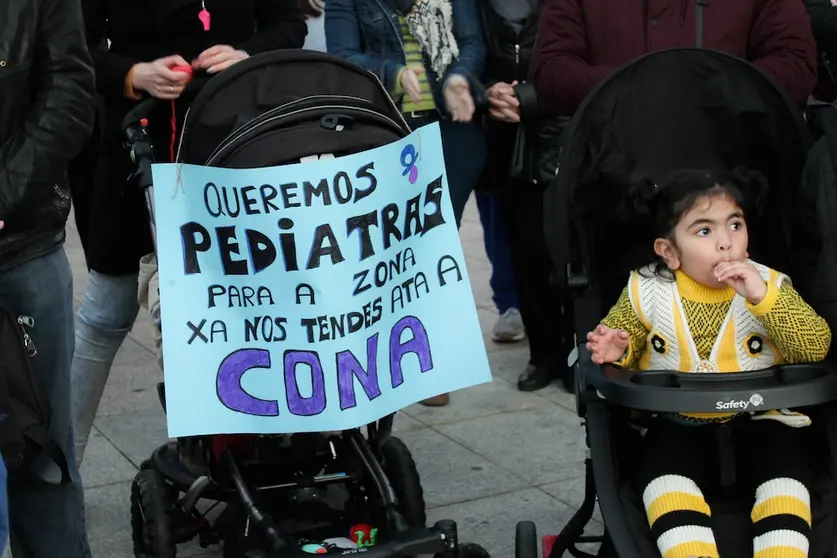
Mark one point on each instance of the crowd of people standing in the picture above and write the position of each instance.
(500, 77)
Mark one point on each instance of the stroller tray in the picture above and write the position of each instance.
(669, 391)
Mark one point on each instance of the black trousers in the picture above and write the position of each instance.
(755, 450)
(540, 305)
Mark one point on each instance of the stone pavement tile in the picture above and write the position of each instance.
(472, 239)
(451, 473)
(143, 330)
(488, 316)
(482, 295)
(571, 492)
(507, 361)
(109, 524)
(555, 393)
(404, 422)
(470, 215)
(477, 265)
(135, 433)
(540, 445)
(477, 401)
(491, 521)
(133, 381)
(108, 511)
(104, 464)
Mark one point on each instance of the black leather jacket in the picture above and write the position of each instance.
(509, 58)
(47, 106)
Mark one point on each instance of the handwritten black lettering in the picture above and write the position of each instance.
(238, 297)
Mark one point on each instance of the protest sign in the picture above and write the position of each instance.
(317, 296)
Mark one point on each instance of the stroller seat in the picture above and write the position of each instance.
(679, 109)
(609, 395)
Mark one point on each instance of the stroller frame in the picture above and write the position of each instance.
(441, 539)
(666, 391)
(597, 388)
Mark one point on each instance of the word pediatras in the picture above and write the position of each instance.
(421, 214)
(349, 371)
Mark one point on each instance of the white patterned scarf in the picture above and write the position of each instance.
(431, 23)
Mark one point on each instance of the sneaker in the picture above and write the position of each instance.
(509, 327)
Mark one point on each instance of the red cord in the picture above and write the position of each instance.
(173, 132)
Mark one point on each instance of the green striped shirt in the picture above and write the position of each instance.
(412, 54)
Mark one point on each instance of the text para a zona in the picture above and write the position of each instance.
(261, 251)
(272, 329)
(348, 368)
(379, 275)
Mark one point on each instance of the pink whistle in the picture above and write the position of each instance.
(204, 16)
(180, 68)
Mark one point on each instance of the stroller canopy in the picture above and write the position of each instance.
(280, 82)
(675, 109)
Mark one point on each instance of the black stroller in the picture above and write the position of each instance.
(682, 108)
(282, 492)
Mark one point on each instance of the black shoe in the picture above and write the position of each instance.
(535, 377)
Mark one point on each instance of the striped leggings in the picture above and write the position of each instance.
(681, 468)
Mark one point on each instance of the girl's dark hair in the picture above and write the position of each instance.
(312, 8)
(663, 204)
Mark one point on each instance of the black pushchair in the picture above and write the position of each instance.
(285, 491)
(676, 109)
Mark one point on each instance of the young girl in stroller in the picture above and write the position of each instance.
(705, 307)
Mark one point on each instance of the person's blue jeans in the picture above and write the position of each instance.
(464, 148)
(106, 315)
(47, 523)
(498, 251)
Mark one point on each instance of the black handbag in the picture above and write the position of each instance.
(519, 166)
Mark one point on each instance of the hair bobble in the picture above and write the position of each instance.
(640, 198)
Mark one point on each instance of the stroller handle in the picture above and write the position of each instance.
(146, 106)
(668, 391)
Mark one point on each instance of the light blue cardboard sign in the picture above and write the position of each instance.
(317, 296)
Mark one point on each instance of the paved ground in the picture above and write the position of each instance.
(493, 457)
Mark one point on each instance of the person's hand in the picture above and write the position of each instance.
(607, 344)
(158, 79)
(410, 82)
(504, 103)
(459, 100)
(744, 278)
(218, 58)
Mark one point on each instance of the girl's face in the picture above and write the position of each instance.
(712, 231)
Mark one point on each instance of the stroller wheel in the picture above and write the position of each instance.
(472, 550)
(568, 379)
(152, 510)
(526, 540)
(401, 471)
